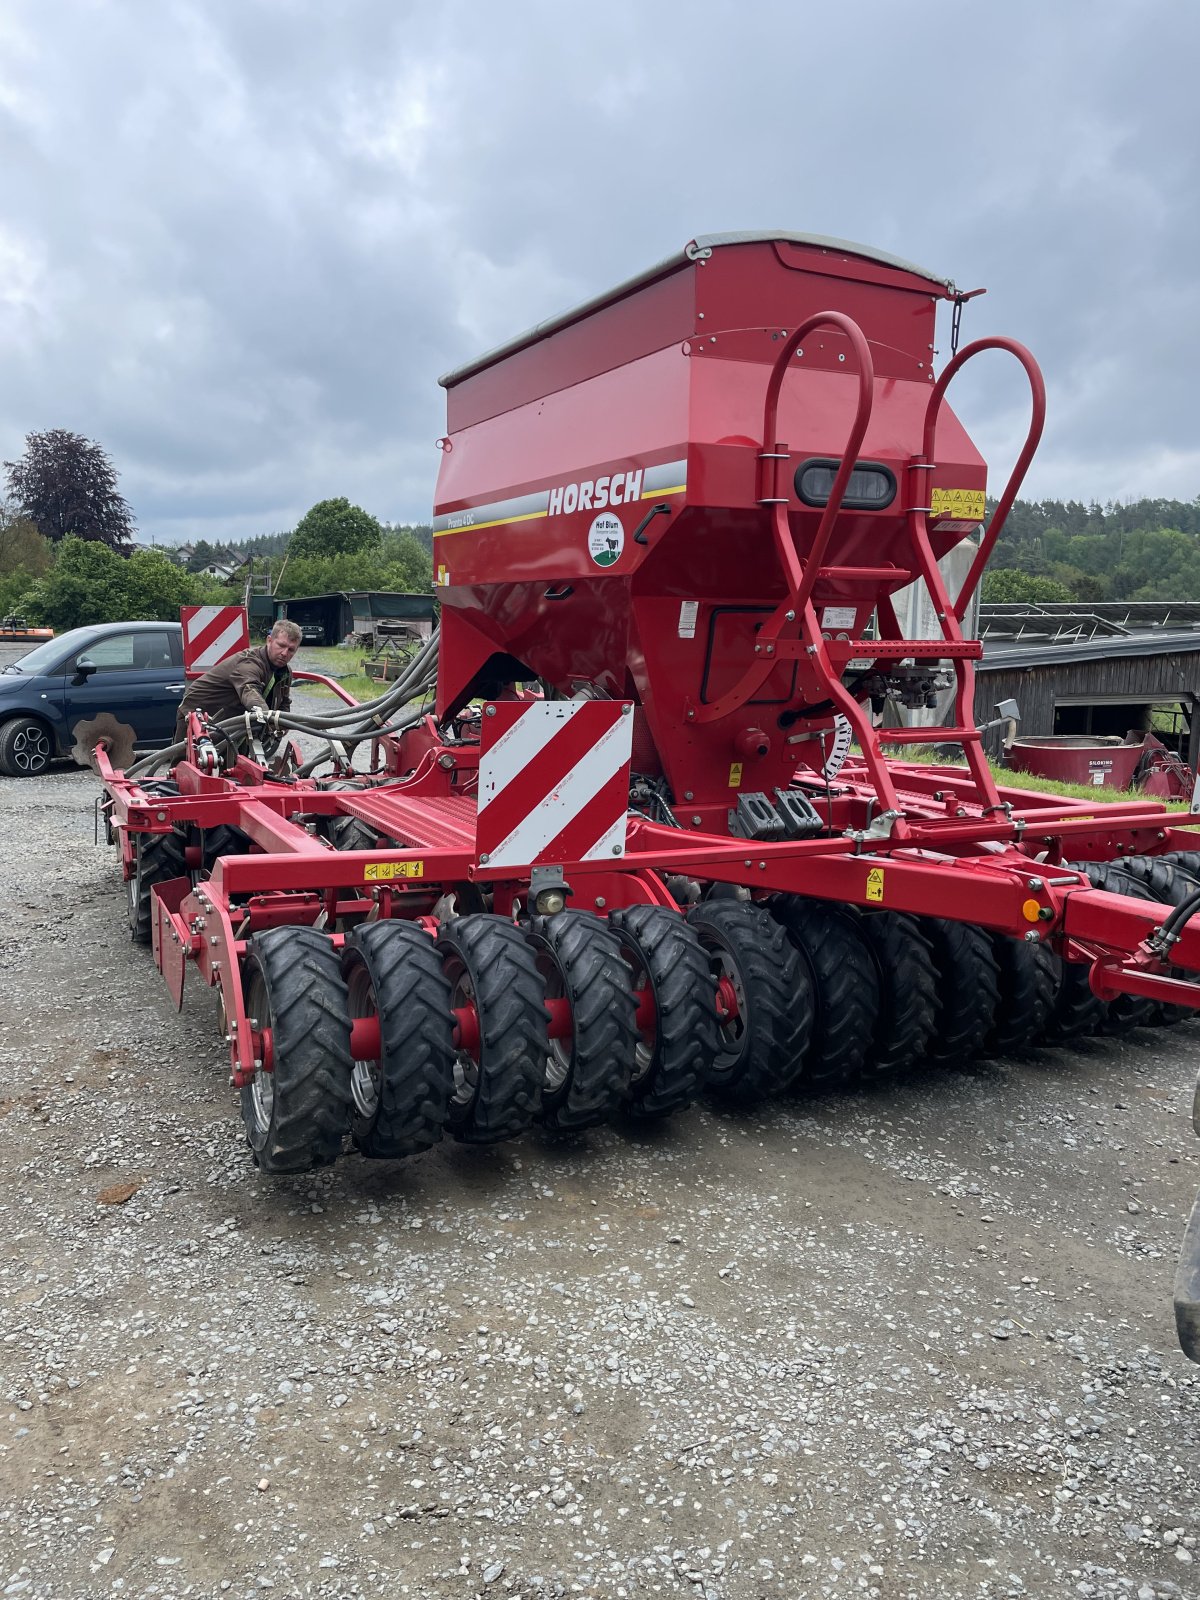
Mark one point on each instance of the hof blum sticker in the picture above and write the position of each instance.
(606, 539)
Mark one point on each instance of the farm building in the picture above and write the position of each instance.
(342, 613)
(1099, 669)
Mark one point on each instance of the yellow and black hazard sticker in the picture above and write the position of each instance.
(735, 775)
(962, 504)
(875, 883)
(382, 871)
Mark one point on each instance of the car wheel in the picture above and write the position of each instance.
(26, 748)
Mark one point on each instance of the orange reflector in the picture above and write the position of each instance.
(1030, 910)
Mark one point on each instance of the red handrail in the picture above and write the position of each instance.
(799, 576)
(1037, 421)
(862, 414)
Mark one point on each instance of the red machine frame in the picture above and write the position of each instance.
(667, 372)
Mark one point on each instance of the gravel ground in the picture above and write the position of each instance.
(912, 1341)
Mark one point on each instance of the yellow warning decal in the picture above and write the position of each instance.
(875, 883)
(381, 871)
(962, 503)
(735, 775)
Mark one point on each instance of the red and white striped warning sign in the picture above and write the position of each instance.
(210, 633)
(553, 781)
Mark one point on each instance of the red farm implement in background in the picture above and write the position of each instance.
(603, 846)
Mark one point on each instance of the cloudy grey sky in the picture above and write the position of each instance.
(240, 239)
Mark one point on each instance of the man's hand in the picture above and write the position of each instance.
(262, 718)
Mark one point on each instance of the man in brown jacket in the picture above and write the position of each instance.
(257, 681)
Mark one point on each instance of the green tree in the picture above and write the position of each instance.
(407, 561)
(91, 583)
(67, 487)
(1085, 588)
(265, 544)
(82, 587)
(1022, 588)
(1106, 546)
(154, 588)
(14, 595)
(1158, 564)
(335, 528)
(202, 554)
(23, 550)
(422, 532)
(399, 564)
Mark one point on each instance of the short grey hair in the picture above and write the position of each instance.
(285, 628)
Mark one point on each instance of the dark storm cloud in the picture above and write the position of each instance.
(239, 242)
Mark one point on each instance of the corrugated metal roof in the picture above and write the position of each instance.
(1005, 655)
(1059, 619)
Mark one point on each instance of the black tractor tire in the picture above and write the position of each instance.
(844, 986)
(158, 858)
(297, 1114)
(968, 990)
(1189, 860)
(675, 1053)
(321, 821)
(761, 1050)
(1029, 976)
(907, 986)
(1168, 878)
(351, 833)
(159, 788)
(1114, 877)
(1077, 1011)
(223, 840)
(587, 1073)
(497, 1091)
(1170, 881)
(26, 748)
(400, 1102)
(1127, 1010)
(346, 832)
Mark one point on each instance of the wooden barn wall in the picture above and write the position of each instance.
(1036, 689)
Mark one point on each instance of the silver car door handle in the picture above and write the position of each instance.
(171, 687)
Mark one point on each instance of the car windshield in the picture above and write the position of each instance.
(47, 656)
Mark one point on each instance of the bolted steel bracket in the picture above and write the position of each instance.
(880, 827)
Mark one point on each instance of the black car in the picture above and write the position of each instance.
(134, 670)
